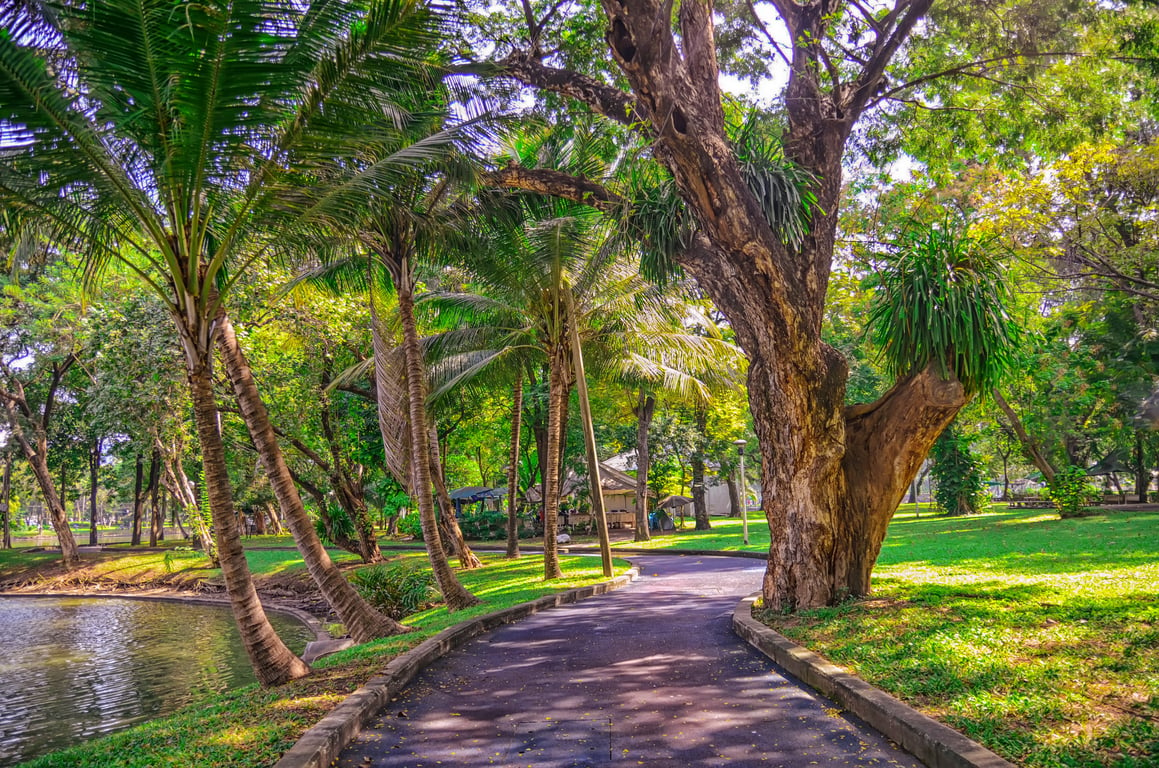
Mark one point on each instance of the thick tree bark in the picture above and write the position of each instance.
(1029, 445)
(771, 292)
(94, 468)
(273, 662)
(6, 503)
(37, 457)
(699, 504)
(887, 443)
(734, 500)
(1142, 476)
(513, 467)
(551, 483)
(154, 507)
(645, 409)
(138, 500)
(363, 622)
(447, 520)
(454, 593)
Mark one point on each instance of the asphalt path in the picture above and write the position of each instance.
(648, 675)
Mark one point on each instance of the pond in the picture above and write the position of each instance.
(72, 669)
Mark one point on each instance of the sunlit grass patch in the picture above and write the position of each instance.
(1037, 636)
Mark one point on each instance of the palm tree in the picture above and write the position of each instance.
(178, 139)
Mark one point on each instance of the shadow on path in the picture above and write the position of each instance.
(648, 675)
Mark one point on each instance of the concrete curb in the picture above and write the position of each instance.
(322, 744)
(935, 744)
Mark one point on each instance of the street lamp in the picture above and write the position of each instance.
(744, 511)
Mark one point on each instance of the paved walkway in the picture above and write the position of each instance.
(648, 675)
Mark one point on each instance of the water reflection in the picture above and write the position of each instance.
(75, 668)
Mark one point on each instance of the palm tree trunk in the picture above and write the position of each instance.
(454, 593)
(645, 409)
(513, 467)
(362, 621)
(272, 661)
(555, 393)
(468, 560)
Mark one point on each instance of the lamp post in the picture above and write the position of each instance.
(744, 506)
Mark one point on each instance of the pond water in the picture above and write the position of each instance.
(72, 669)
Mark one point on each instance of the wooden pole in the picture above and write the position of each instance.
(597, 494)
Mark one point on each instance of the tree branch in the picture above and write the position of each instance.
(609, 101)
(555, 183)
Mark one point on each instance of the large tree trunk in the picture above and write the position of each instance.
(154, 507)
(37, 456)
(272, 661)
(556, 394)
(1029, 445)
(362, 621)
(138, 500)
(887, 442)
(513, 467)
(6, 502)
(699, 504)
(450, 524)
(734, 499)
(454, 593)
(94, 468)
(1142, 476)
(645, 409)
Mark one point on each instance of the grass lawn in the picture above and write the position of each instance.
(1038, 637)
(250, 727)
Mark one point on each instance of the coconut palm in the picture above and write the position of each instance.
(180, 139)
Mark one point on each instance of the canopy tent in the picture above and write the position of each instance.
(474, 493)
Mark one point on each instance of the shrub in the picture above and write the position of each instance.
(1071, 491)
(411, 525)
(961, 489)
(397, 589)
(484, 526)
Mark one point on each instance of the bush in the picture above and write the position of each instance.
(957, 473)
(411, 525)
(484, 526)
(397, 589)
(1071, 491)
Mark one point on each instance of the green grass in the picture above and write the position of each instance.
(249, 727)
(1037, 636)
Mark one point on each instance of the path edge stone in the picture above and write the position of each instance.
(320, 745)
(934, 743)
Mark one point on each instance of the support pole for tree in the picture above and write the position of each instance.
(597, 492)
(5, 501)
(744, 503)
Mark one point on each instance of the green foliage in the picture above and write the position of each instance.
(1071, 491)
(957, 473)
(411, 526)
(340, 526)
(942, 299)
(487, 525)
(397, 589)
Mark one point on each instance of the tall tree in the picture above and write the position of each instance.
(189, 136)
(829, 479)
